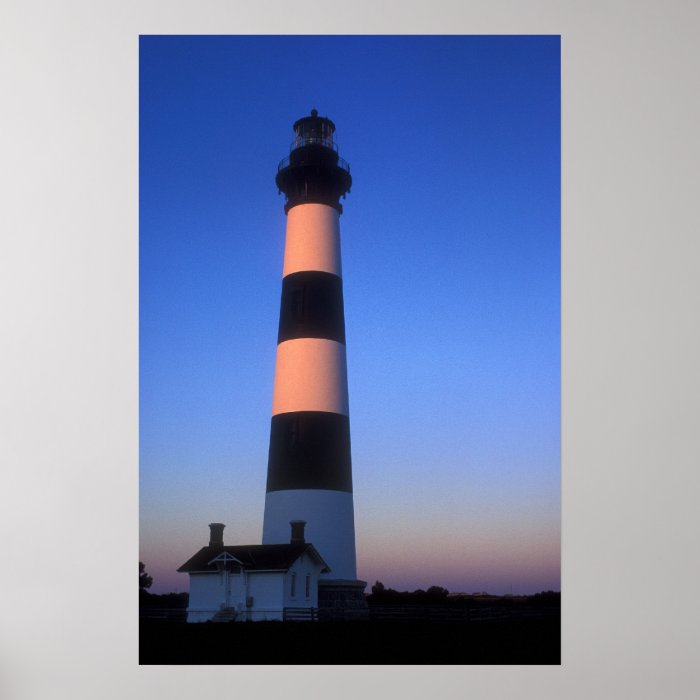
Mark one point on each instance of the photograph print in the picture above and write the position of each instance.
(349, 349)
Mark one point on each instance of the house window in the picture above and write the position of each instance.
(294, 585)
(308, 585)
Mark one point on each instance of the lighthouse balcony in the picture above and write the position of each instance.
(285, 162)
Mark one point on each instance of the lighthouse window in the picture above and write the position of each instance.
(294, 585)
(308, 585)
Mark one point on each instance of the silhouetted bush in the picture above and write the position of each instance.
(145, 580)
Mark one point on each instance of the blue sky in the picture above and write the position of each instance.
(451, 267)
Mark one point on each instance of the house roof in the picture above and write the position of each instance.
(254, 557)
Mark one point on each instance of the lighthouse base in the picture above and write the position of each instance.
(329, 525)
(342, 599)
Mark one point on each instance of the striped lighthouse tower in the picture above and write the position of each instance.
(309, 473)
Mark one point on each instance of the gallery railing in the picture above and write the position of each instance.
(342, 163)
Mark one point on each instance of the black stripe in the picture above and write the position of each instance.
(309, 450)
(312, 307)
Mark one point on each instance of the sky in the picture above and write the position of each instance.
(450, 241)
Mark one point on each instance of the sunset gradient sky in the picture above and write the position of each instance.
(451, 271)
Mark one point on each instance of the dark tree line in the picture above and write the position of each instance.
(381, 594)
(439, 595)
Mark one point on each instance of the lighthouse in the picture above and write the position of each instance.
(309, 475)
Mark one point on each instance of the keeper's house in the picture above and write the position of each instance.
(253, 582)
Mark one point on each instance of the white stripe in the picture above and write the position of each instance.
(330, 525)
(313, 239)
(310, 375)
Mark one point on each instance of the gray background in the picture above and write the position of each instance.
(69, 371)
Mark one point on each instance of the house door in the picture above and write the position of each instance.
(234, 587)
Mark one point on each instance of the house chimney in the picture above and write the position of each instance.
(216, 534)
(297, 531)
